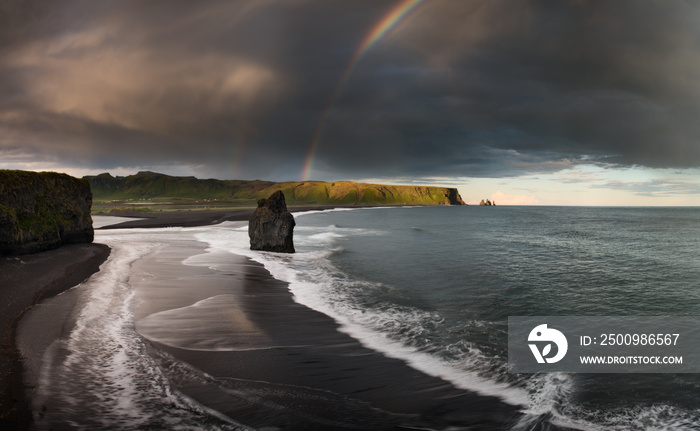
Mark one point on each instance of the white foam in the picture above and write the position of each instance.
(107, 362)
(353, 322)
(99, 221)
(659, 417)
(309, 274)
(305, 213)
(330, 210)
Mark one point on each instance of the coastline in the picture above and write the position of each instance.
(307, 359)
(286, 348)
(25, 281)
(192, 218)
(287, 365)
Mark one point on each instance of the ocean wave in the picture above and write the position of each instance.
(316, 283)
(414, 335)
(106, 362)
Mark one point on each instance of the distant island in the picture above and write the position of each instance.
(154, 187)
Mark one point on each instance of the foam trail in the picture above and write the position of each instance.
(308, 294)
(318, 284)
(104, 377)
(542, 397)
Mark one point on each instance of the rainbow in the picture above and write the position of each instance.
(381, 29)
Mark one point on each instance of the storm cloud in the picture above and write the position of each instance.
(469, 88)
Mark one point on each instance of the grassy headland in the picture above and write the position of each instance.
(149, 190)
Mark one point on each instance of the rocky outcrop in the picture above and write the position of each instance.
(487, 203)
(453, 197)
(42, 211)
(271, 226)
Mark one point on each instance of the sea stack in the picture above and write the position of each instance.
(43, 210)
(271, 226)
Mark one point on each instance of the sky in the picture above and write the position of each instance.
(523, 102)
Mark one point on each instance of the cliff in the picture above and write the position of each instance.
(41, 211)
(150, 185)
(350, 193)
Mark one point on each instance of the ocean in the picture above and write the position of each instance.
(430, 286)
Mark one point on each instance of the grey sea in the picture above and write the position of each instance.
(435, 286)
(175, 331)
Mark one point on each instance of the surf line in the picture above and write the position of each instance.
(381, 29)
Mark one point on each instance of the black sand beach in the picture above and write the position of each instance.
(28, 279)
(25, 281)
(299, 372)
(191, 218)
(294, 370)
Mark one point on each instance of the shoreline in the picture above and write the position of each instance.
(25, 281)
(193, 218)
(282, 352)
(308, 357)
(345, 384)
(207, 217)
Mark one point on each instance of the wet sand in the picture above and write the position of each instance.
(271, 362)
(191, 218)
(24, 281)
(291, 367)
(295, 370)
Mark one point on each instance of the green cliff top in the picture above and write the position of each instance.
(147, 189)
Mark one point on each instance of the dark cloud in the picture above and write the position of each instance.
(487, 88)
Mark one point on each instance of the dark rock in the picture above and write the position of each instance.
(453, 197)
(486, 203)
(271, 226)
(42, 211)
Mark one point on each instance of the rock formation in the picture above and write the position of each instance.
(487, 203)
(271, 226)
(41, 211)
(453, 197)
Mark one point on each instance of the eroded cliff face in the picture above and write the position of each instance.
(43, 210)
(453, 197)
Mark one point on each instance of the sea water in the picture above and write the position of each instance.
(432, 286)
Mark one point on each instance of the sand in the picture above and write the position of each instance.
(296, 370)
(191, 218)
(25, 281)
